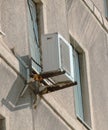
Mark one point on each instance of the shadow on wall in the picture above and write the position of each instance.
(13, 100)
(2, 123)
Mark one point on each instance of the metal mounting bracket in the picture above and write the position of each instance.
(39, 86)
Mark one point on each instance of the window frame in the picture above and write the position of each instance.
(106, 8)
(84, 84)
(77, 88)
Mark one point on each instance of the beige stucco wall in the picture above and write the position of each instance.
(55, 14)
(101, 5)
(11, 84)
(14, 25)
(93, 38)
(56, 110)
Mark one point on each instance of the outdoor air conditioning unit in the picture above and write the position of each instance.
(57, 55)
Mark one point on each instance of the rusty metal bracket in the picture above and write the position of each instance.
(39, 86)
(48, 74)
(58, 86)
(37, 77)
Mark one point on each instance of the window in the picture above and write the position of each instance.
(81, 91)
(78, 93)
(33, 36)
(106, 8)
(2, 123)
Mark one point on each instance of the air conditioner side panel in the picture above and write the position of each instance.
(67, 63)
(65, 56)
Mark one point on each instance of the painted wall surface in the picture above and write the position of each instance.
(55, 15)
(93, 38)
(55, 110)
(11, 84)
(46, 119)
(101, 5)
(14, 25)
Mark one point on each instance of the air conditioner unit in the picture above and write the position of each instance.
(57, 56)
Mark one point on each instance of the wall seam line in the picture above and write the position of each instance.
(57, 113)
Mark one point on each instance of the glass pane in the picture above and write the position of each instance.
(77, 90)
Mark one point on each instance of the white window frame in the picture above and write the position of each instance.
(78, 92)
(85, 117)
